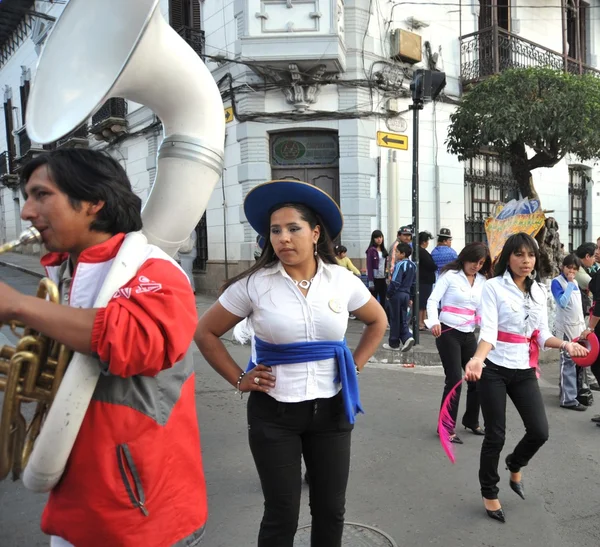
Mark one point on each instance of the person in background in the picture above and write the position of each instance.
(404, 235)
(427, 271)
(400, 294)
(187, 254)
(376, 258)
(343, 260)
(586, 381)
(568, 324)
(443, 253)
(458, 291)
(514, 327)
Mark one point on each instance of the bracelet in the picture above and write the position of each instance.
(477, 359)
(563, 345)
(357, 369)
(239, 381)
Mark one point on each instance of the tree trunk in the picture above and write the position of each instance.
(547, 238)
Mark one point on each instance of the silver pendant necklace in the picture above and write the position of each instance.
(304, 283)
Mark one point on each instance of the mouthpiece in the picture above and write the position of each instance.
(31, 235)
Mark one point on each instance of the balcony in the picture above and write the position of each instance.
(195, 38)
(307, 34)
(25, 149)
(493, 50)
(7, 176)
(75, 139)
(110, 120)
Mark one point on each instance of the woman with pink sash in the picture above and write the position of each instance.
(458, 293)
(514, 327)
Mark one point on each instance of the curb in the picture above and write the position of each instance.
(22, 269)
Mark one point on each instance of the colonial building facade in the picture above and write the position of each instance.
(318, 90)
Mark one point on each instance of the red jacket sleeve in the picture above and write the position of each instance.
(148, 324)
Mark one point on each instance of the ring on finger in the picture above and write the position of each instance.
(257, 380)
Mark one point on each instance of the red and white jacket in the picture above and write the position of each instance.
(134, 477)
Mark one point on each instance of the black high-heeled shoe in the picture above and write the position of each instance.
(475, 430)
(496, 514)
(517, 487)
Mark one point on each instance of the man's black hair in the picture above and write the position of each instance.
(90, 175)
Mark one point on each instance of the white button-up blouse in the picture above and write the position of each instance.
(280, 314)
(504, 308)
(454, 289)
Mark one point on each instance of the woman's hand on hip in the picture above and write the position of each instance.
(258, 379)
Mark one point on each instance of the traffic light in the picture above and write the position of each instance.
(427, 85)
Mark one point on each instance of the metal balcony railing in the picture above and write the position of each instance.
(195, 38)
(493, 50)
(113, 108)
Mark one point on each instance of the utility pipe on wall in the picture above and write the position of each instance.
(392, 180)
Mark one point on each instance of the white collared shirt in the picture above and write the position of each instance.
(454, 289)
(504, 308)
(281, 315)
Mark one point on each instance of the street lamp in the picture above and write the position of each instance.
(425, 87)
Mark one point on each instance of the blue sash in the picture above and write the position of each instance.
(300, 352)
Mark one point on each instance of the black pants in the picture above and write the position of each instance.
(522, 387)
(280, 434)
(456, 348)
(379, 290)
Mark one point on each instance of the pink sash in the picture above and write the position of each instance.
(462, 311)
(534, 349)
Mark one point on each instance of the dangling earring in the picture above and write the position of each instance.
(315, 249)
(533, 275)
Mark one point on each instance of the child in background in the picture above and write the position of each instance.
(569, 324)
(399, 294)
(343, 260)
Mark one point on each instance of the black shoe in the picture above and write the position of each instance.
(517, 487)
(595, 387)
(598, 425)
(578, 406)
(477, 430)
(498, 514)
(596, 418)
(456, 439)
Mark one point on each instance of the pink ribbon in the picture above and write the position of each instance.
(534, 349)
(462, 311)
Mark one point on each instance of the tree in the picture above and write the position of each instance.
(531, 117)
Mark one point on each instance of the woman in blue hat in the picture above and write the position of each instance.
(302, 377)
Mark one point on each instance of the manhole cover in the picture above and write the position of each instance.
(355, 535)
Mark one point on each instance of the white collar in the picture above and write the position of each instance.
(321, 268)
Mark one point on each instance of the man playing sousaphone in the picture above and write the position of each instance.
(134, 476)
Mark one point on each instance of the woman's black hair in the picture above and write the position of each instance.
(514, 244)
(473, 252)
(269, 258)
(90, 175)
(571, 260)
(339, 249)
(379, 233)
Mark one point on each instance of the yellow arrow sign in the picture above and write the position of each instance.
(392, 140)
(228, 114)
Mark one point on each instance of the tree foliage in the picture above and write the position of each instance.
(532, 117)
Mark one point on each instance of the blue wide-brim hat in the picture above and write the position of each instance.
(261, 200)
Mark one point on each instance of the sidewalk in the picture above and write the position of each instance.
(425, 354)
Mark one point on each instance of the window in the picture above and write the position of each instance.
(578, 179)
(9, 126)
(577, 30)
(201, 245)
(24, 91)
(488, 180)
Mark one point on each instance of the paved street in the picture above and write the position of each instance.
(401, 482)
